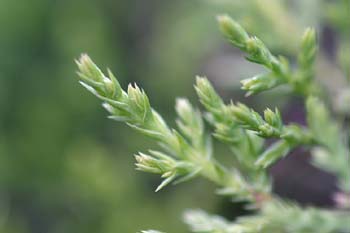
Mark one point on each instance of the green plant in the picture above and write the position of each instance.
(187, 152)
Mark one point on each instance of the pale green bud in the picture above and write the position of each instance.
(147, 164)
(190, 122)
(169, 168)
(260, 83)
(308, 48)
(208, 96)
(267, 130)
(246, 116)
(308, 41)
(89, 69)
(151, 164)
(233, 31)
(95, 81)
(273, 118)
(258, 52)
(109, 87)
(139, 103)
(184, 109)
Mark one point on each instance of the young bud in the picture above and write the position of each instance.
(273, 118)
(207, 95)
(147, 164)
(260, 83)
(89, 69)
(308, 48)
(184, 109)
(169, 168)
(308, 41)
(109, 87)
(267, 130)
(190, 122)
(155, 164)
(245, 116)
(233, 31)
(258, 52)
(139, 104)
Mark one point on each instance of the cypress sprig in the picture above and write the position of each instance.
(188, 153)
(257, 52)
(230, 119)
(271, 126)
(245, 145)
(280, 72)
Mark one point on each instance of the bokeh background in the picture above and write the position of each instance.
(66, 168)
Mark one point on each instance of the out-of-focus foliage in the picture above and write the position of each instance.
(274, 217)
(60, 167)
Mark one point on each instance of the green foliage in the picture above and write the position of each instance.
(279, 68)
(244, 143)
(182, 159)
(188, 152)
(236, 123)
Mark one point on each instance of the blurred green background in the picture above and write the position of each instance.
(66, 168)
